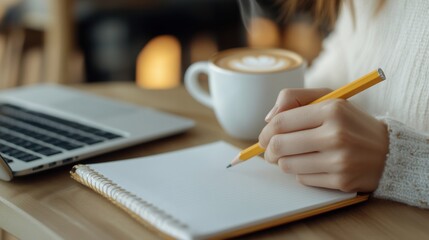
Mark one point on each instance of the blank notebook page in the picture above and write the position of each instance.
(194, 187)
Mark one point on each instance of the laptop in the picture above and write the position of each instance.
(47, 126)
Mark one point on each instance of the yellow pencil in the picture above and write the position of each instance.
(344, 92)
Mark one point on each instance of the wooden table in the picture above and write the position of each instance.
(51, 205)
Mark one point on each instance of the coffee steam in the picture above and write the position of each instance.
(250, 9)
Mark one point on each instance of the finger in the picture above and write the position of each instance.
(295, 97)
(297, 119)
(309, 163)
(325, 180)
(294, 143)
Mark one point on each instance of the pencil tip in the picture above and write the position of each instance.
(229, 166)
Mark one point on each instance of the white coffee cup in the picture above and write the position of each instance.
(244, 84)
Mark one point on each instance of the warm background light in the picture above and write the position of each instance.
(263, 33)
(159, 63)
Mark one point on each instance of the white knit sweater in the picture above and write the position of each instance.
(397, 40)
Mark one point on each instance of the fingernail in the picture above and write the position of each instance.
(271, 114)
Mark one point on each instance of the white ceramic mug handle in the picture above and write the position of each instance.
(193, 86)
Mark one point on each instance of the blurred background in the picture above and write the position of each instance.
(147, 42)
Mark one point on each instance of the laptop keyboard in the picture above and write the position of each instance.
(18, 154)
(27, 135)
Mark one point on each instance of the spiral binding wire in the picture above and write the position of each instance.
(141, 210)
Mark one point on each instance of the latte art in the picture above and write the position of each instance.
(257, 60)
(262, 63)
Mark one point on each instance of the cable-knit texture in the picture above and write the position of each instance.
(406, 175)
(395, 39)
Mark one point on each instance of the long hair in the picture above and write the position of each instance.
(324, 13)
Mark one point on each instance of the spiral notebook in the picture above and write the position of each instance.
(189, 194)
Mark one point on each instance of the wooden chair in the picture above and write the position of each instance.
(23, 62)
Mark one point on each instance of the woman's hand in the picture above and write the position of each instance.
(331, 144)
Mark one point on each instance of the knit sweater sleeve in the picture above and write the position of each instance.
(406, 173)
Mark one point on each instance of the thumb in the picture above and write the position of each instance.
(295, 97)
